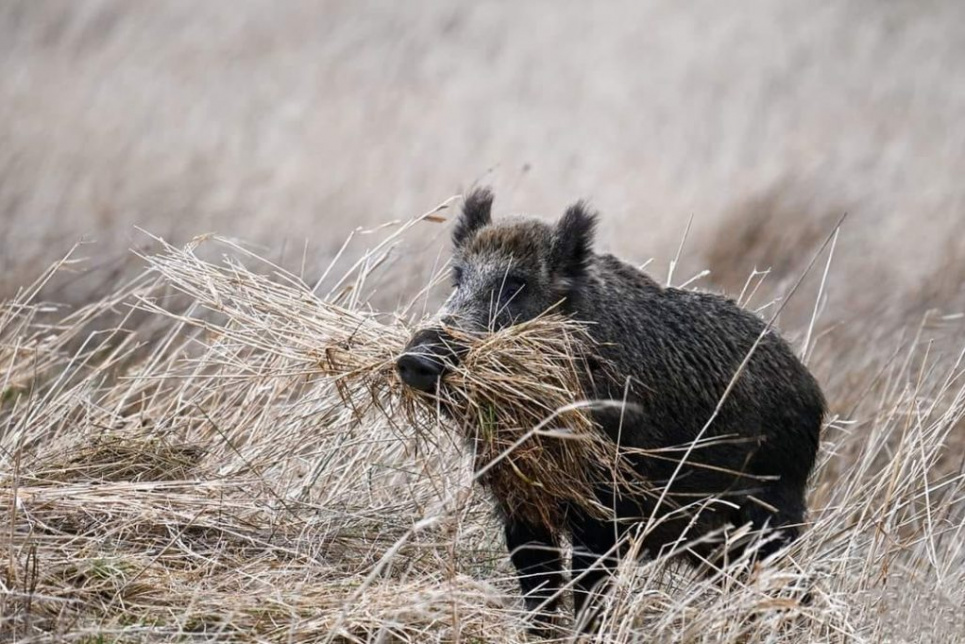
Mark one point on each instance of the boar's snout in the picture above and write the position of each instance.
(426, 358)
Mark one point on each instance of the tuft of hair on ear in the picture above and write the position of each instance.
(572, 249)
(476, 213)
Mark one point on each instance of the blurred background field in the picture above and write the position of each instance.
(294, 123)
(287, 126)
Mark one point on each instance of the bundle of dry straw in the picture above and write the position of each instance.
(515, 397)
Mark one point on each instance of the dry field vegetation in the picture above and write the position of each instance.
(219, 450)
(206, 441)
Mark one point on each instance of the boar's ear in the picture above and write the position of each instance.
(573, 243)
(476, 213)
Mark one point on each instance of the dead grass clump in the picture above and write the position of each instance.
(517, 397)
(118, 456)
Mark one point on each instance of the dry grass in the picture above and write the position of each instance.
(256, 473)
(272, 123)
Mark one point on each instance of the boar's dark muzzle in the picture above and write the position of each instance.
(426, 358)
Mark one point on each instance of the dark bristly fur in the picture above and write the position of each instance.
(673, 353)
(572, 247)
(475, 214)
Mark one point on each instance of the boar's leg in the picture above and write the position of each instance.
(594, 559)
(535, 552)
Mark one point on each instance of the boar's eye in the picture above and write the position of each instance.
(456, 276)
(510, 287)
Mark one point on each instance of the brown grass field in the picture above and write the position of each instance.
(201, 436)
